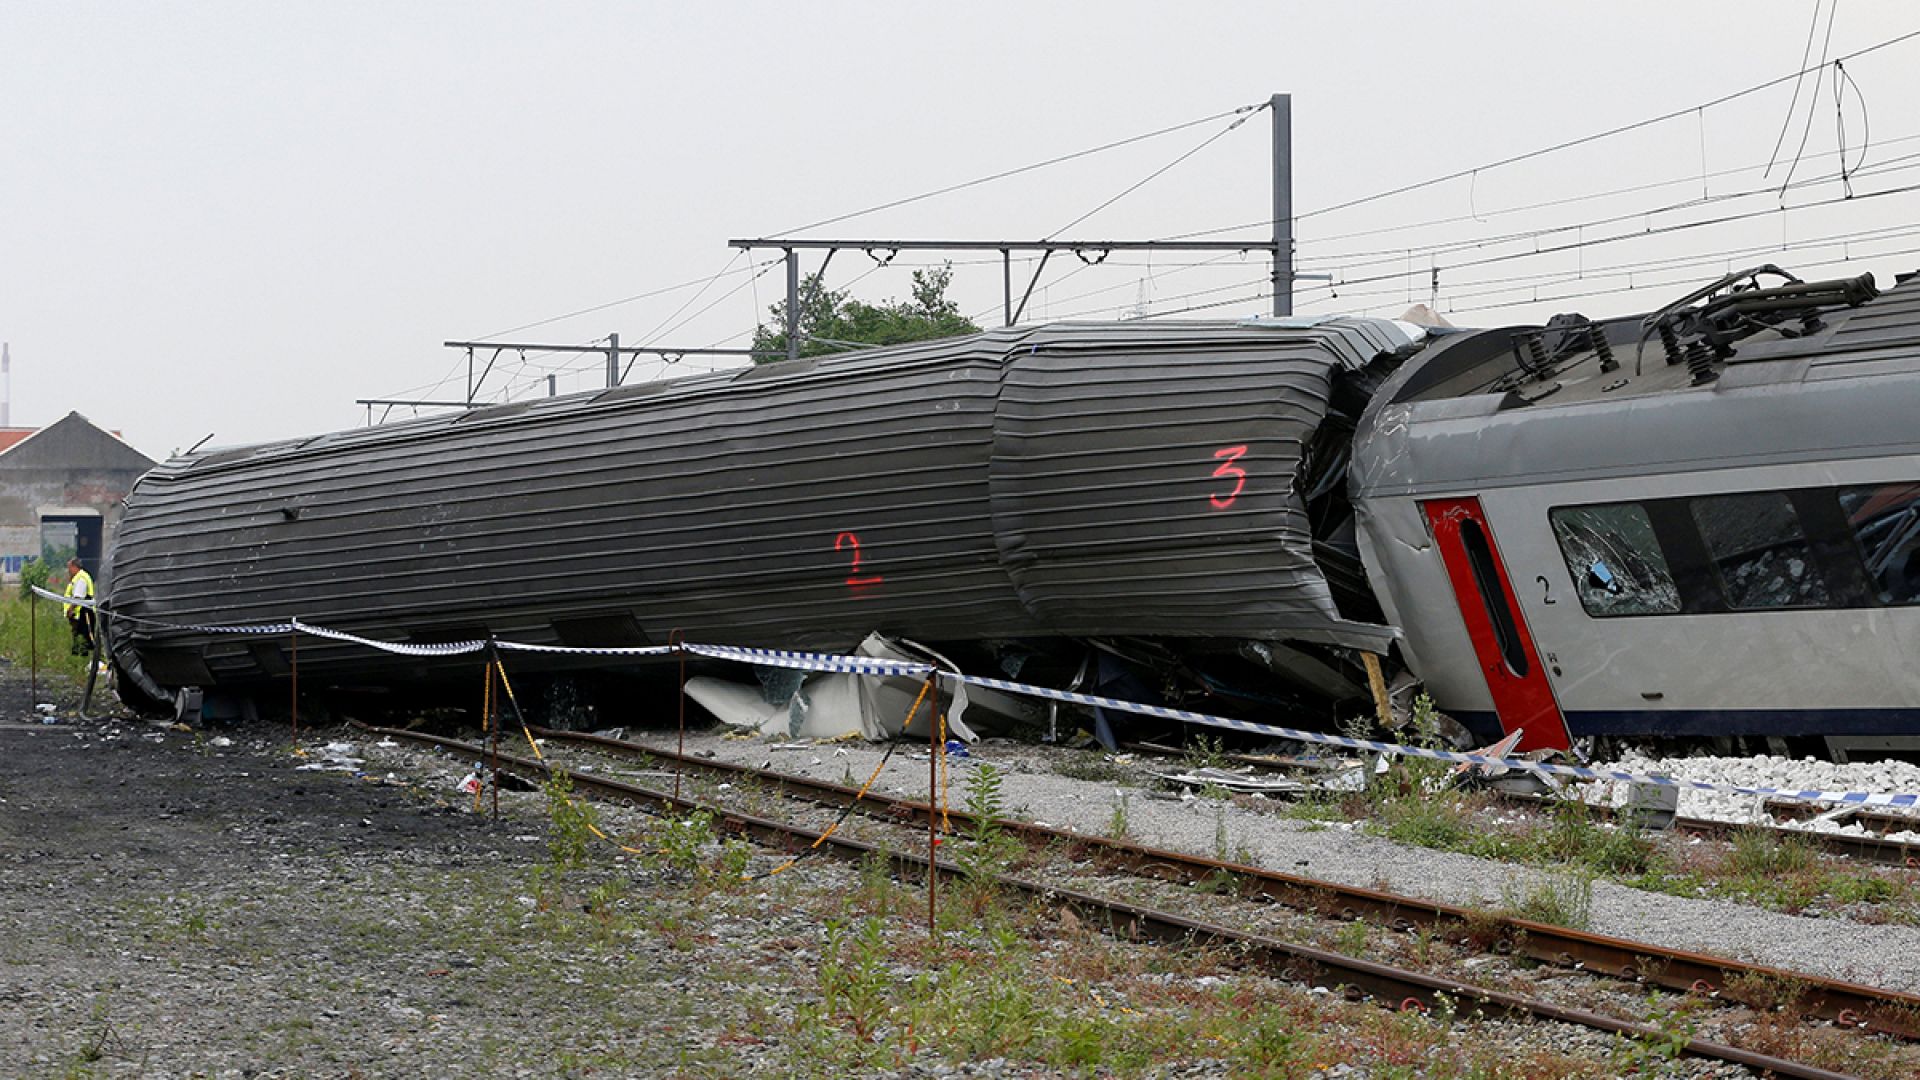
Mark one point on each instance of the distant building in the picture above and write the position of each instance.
(62, 489)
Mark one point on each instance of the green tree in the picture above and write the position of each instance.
(831, 320)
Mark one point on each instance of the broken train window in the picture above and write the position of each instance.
(1759, 549)
(1886, 521)
(1615, 561)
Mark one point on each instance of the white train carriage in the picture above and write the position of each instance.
(1705, 522)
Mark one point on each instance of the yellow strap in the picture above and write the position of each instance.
(524, 730)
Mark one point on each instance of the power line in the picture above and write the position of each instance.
(1157, 173)
(1380, 256)
(1611, 132)
(601, 307)
(951, 188)
(1651, 231)
(1463, 290)
(1548, 204)
(1786, 122)
(1813, 102)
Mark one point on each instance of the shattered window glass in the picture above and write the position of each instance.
(1616, 564)
(1758, 547)
(1886, 521)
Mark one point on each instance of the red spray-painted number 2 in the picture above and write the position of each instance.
(846, 541)
(1227, 468)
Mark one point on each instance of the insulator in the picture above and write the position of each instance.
(1700, 363)
(1670, 341)
(1810, 322)
(1597, 341)
(1537, 352)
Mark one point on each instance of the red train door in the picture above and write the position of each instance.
(1522, 697)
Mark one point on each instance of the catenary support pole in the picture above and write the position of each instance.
(793, 304)
(613, 360)
(1006, 282)
(1282, 107)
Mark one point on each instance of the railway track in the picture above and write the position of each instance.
(1876, 849)
(1877, 1010)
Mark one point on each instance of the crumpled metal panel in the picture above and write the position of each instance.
(801, 505)
(1150, 487)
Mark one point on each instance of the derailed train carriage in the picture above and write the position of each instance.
(1693, 523)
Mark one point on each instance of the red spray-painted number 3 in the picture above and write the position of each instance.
(1227, 456)
(846, 541)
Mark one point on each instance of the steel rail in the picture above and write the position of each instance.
(1299, 963)
(1889, 1012)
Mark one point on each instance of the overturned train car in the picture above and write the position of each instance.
(1136, 483)
(1697, 522)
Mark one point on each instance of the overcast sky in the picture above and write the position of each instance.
(236, 218)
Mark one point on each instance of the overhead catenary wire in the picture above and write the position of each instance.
(1007, 173)
(1386, 256)
(1598, 136)
(1161, 171)
(1650, 231)
(648, 295)
(1786, 122)
(1464, 290)
(1813, 102)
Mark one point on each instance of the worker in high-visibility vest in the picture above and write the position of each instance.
(79, 618)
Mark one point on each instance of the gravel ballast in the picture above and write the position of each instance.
(1878, 955)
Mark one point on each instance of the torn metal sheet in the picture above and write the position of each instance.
(833, 706)
(1237, 780)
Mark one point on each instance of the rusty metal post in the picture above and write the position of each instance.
(93, 661)
(680, 648)
(933, 818)
(293, 646)
(493, 745)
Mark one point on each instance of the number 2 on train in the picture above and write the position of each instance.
(1227, 455)
(850, 543)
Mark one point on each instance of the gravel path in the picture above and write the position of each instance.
(1879, 955)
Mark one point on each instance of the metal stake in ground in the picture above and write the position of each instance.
(674, 640)
(33, 646)
(93, 662)
(933, 789)
(493, 730)
(293, 695)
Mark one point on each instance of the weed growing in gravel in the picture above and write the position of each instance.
(988, 849)
(855, 982)
(1203, 752)
(1117, 823)
(1351, 938)
(1093, 767)
(1560, 899)
(1675, 1019)
(682, 840)
(572, 822)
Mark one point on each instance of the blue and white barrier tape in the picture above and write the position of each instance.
(787, 658)
(866, 665)
(92, 604)
(584, 650)
(403, 648)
